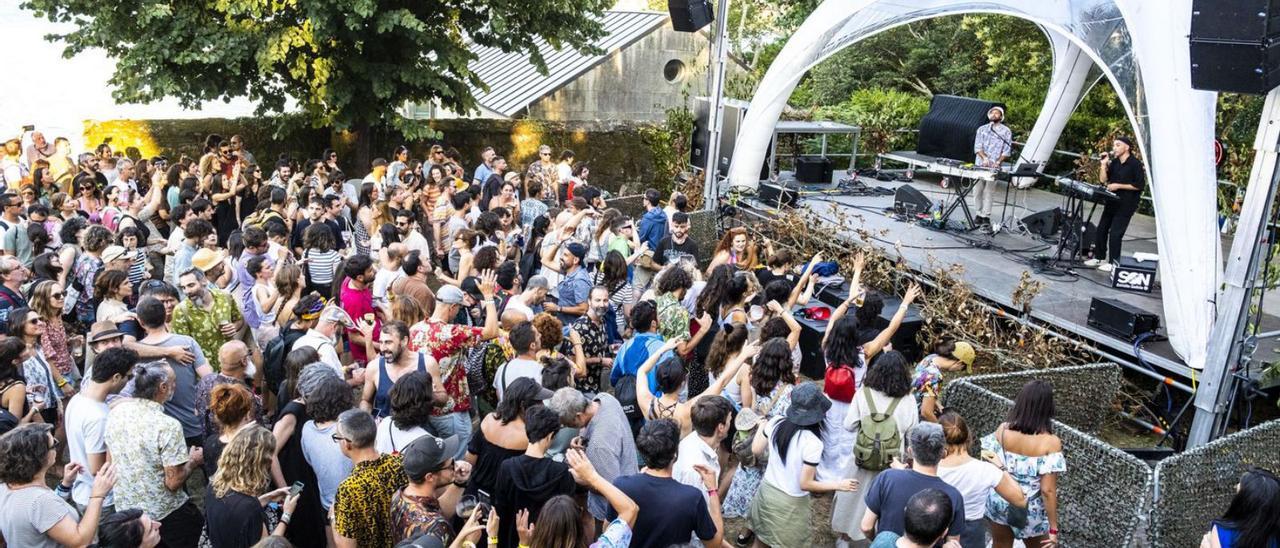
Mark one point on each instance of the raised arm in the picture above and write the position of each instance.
(644, 395)
(876, 345)
(730, 373)
(586, 474)
(855, 289)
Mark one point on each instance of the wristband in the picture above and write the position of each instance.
(63, 383)
(1053, 531)
(61, 488)
(285, 517)
(493, 541)
(713, 493)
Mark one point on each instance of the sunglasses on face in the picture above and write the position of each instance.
(57, 296)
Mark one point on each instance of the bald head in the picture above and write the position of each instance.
(396, 252)
(511, 318)
(232, 357)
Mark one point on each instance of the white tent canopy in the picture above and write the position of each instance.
(1140, 46)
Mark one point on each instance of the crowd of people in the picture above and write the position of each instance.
(221, 352)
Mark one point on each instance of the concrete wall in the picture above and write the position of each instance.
(630, 84)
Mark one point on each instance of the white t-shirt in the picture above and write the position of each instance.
(392, 440)
(324, 346)
(693, 451)
(516, 303)
(514, 369)
(86, 424)
(804, 449)
(381, 282)
(974, 480)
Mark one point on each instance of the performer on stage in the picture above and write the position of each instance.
(1125, 177)
(992, 144)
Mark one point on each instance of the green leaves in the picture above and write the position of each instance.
(345, 63)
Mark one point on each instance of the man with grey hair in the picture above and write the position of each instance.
(209, 315)
(362, 506)
(888, 495)
(152, 458)
(606, 435)
(535, 292)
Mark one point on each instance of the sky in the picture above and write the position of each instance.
(57, 95)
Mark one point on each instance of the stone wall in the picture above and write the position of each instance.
(620, 157)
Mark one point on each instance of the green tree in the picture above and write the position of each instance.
(346, 64)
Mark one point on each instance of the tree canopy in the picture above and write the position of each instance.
(348, 64)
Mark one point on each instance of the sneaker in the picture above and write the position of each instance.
(1092, 263)
(1107, 267)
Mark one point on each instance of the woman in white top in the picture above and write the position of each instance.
(779, 513)
(265, 297)
(974, 479)
(114, 287)
(886, 381)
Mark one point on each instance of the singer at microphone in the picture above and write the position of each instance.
(992, 145)
(1123, 175)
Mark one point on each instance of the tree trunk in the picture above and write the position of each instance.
(360, 154)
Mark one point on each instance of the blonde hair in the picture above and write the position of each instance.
(245, 465)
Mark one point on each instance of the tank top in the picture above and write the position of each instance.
(382, 398)
(265, 317)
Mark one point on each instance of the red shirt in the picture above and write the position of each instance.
(358, 303)
(448, 344)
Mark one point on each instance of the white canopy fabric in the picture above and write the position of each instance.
(1140, 46)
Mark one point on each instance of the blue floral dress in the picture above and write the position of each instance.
(1026, 471)
(746, 479)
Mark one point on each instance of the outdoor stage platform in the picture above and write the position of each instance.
(993, 272)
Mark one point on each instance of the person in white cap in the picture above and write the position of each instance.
(992, 145)
(324, 338)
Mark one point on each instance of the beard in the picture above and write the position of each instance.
(393, 356)
(198, 299)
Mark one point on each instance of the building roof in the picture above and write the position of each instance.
(514, 82)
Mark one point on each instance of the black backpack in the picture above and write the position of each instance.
(273, 357)
(625, 392)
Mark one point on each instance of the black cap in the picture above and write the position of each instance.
(425, 454)
(471, 286)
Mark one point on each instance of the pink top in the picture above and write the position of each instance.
(357, 303)
(54, 343)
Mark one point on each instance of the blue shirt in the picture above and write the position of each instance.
(574, 290)
(653, 227)
(482, 173)
(632, 354)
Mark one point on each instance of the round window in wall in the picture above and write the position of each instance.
(674, 71)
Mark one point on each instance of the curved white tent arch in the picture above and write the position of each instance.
(1139, 45)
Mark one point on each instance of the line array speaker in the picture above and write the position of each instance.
(1235, 45)
(690, 15)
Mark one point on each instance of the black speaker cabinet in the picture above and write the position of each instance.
(1239, 67)
(1121, 319)
(1235, 20)
(690, 15)
(780, 194)
(813, 169)
(948, 129)
(734, 112)
(909, 201)
(1043, 223)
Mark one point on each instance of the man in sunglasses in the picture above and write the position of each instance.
(544, 170)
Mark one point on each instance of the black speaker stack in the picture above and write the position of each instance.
(1235, 45)
(1120, 319)
(948, 129)
(690, 15)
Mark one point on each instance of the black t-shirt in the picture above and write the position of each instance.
(295, 239)
(657, 525)
(889, 493)
(1128, 172)
(234, 521)
(668, 250)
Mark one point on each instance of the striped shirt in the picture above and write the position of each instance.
(321, 265)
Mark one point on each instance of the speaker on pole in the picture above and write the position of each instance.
(689, 15)
(1235, 45)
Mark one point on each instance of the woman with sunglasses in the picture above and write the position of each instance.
(47, 300)
(89, 200)
(27, 325)
(26, 455)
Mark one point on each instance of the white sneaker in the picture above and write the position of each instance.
(1106, 267)
(1092, 263)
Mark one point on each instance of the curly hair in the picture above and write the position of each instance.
(728, 342)
(888, 375)
(23, 452)
(772, 366)
(70, 231)
(97, 238)
(245, 464)
(328, 399)
(713, 293)
(519, 396)
(674, 279)
(550, 330)
(319, 237)
(230, 404)
(412, 400)
(557, 373)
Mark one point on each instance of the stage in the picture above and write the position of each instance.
(993, 264)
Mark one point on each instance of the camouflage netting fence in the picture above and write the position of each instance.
(1104, 494)
(1194, 487)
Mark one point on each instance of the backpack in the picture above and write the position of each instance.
(840, 383)
(625, 392)
(878, 440)
(273, 357)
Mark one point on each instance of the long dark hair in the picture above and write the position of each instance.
(772, 366)
(558, 524)
(888, 375)
(614, 271)
(787, 430)
(713, 293)
(1033, 411)
(842, 343)
(1254, 512)
(728, 341)
(519, 396)
(540, 226)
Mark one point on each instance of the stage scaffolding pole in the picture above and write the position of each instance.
(717, 58)
(1231, 330)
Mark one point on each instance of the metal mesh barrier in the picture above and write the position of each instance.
(1104, 494)
(1196, 486)
(1082, 393)
(702, 224)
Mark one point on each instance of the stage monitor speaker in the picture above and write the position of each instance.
(948, 129)
(909, 201)
(1043, 223)
(1121, 319)
(734, 112)
(690, 15)
(1235, 20)
(813, 169)
(780, 194)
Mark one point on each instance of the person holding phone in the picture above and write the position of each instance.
(235, 506)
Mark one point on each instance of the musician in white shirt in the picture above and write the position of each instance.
(992, 145)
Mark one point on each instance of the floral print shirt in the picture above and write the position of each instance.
(926, 382)
(448, 343)
(413, 516)
(202, 325)
(594, 345)
(673, 318)
(143, 440)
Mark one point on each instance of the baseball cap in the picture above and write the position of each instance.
(114, 252)
(578, 250)
(964, 352)
(337, 315)
(471, 285)
(103, 331)
(206, 259)
(449, 294)
(425, 454)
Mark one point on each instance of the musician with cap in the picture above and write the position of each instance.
(1125, 176)
(992, 146)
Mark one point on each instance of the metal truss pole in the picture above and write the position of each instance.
(717, 57)
(1227, 343)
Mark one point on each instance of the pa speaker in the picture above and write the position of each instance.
(1238, 67)
(699, 147)
(1043, 223)
(813, 169)
(948, 129)
(910, 201)
(1120, 319)
(1235, 20)
(782, 194)
(689, 15)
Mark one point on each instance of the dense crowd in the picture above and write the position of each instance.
(218, 351)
